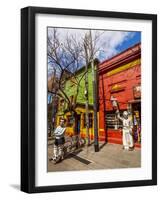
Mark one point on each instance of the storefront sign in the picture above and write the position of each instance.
(117, 87)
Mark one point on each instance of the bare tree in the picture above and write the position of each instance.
(66, 57)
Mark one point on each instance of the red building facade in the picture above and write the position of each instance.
(120, 77)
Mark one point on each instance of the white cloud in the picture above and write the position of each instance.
(107, 43)
(111, 40)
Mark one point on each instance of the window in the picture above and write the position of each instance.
(69, 121)
(90, 115)
(111, 120)
(90, 120)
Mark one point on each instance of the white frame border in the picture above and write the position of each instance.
(42, 178)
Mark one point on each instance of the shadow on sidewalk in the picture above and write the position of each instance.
(102, 145)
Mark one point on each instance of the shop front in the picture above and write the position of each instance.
(76, 125)
(120, 78)
(135, 106)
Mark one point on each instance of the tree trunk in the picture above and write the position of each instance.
(95, 99)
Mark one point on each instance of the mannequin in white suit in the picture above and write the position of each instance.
(127, 137)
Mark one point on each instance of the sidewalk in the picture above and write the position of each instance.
(110, 156)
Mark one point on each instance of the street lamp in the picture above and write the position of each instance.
(114, 102)
(95, 98)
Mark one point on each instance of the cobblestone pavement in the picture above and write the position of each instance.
(110, 156)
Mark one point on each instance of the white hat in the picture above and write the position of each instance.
(125, 113)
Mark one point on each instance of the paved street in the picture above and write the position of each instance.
(110, 156)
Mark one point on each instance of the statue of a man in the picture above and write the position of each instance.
(127, 137)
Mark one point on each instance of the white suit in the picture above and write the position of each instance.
(127, 132)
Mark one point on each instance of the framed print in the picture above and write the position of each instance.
(88, 99)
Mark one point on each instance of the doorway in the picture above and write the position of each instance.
(136, 115)
(78, 120)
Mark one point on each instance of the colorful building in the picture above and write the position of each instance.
(76, 94)
(120, 77)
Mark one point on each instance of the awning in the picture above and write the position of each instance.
(135, 101)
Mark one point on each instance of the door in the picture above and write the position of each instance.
(78, 118)
(136, 112)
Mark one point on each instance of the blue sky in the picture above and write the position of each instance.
(130, 42)
(114, 42)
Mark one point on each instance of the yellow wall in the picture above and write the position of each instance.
(81, 111)
(124, 67)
